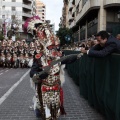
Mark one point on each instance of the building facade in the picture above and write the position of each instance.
(87, 17)
(16, 11)
(64, 18)
(52, 25)
(41, 10)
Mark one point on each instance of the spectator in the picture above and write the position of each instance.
(107, 44)
(118, 36)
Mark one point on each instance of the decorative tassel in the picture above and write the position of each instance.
(62, 110)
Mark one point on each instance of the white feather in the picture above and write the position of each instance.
(30, 63)
(62, 74)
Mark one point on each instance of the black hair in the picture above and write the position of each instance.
(103, 34)
(37, 24)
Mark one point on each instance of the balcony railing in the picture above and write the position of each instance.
(74, 9)
(77, 2)
(73, 23)
(110, 2)
(70, 6)
(89, 4)
(26, 14)
(27, 1)
(70, 18)
(27, 6)
(10, 4)
(78, 17)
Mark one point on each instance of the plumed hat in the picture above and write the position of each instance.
(31, 24)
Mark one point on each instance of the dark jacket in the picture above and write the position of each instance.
(111, 46)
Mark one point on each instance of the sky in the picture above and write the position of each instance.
(53, 11)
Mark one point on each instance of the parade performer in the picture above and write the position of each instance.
(47, 71)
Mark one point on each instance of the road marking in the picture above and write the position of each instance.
(4, 97)
(3, 70)
(1, 73)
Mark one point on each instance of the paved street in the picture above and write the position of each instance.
(16, 97)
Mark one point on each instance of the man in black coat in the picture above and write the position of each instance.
(107, 44)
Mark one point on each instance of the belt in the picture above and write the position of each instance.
(48, 88)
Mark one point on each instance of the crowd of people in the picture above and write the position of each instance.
(78, 45)
(17, 53)
(87, 44)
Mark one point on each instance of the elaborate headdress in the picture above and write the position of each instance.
(31, 24)
(43, 32)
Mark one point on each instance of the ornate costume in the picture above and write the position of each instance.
(47, 73)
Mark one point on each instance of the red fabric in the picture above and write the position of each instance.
(41, 35)
(62, 110)
(45, 89)
(11, 59)
(49, 61)
(61, 96)
(37, 56)
(56, 53)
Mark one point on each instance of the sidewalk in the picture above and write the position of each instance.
(77, 108)
(16, 106)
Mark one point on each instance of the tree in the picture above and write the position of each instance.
(62, 33)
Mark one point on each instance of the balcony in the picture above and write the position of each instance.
(5, 12)
(74, 9)
(108, 3)
(10, 4)
(26, 14)
(70, 6)
(27, 1)
(34, 6)
(77, 18)
(72, 24)
(90, 4)
(77, 2)
(27, 6)
(71, 18)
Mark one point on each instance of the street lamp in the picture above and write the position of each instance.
(118, 14)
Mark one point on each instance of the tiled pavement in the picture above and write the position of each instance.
(77, 108)
(16, 106)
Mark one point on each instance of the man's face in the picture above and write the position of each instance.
(118, 37)
(101, 41)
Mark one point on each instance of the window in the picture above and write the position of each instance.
(3, 7)
(13, 17)
(39, 10)
(83, 2)
(3, 16)
(13, 8)
(13, 0)
(39, 7)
